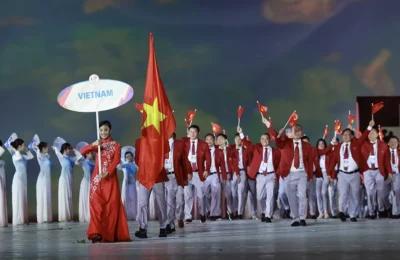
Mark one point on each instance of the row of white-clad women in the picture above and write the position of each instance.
(68, 158)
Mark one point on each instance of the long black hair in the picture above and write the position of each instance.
(1, 143)
(105, 122)
(64, 147)
(42, 145)
(16, 143)
(321, 140)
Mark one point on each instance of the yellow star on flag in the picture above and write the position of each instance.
(153, 115)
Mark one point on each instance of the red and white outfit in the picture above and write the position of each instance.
(374, 178)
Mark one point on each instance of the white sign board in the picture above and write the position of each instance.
(95, 95)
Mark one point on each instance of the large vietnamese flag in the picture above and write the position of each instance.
(158, 124)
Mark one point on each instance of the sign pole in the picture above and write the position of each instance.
(98, 138)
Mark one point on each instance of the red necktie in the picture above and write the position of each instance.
(346, 155)
(194, 166)
(296, 156)
(265, 159)
(393, 158)
(373, 153)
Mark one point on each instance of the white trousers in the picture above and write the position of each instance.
(242, 189)
(265, 193)
(143, 204)
(212, 188)
(252, 193)
(332, 191)
(189, 194)
(396, 194)
(296, 190)
(322, 193)
(283, 199)
(175, 202)
(385, 200)
(374, 185)
(312, 196)
(349, 193)
(230, 191)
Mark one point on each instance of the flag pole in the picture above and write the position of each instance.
(372, 105)
(288, 120)
(323, 136)
(239, 117)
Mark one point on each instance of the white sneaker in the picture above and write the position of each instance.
(254, 218)
(321, 216)
(326, 215)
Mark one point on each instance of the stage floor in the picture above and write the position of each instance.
(322, 239)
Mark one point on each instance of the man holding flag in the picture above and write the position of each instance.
(158, 125)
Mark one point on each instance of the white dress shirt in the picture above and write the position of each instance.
(269, 166)
(169, 163)
(240, 153)
(212, 168)
(373, 159)
(226, 159)
(322, 163)
(395, 166)
(193, 157)
(301, 164)
(350, 163)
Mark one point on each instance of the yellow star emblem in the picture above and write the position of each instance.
(153, 115)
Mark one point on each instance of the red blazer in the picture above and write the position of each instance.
(182, 165)
(203, 156)
(257, 155)
(246, 159)
(286, 146)
(219, 163)
(383, 158)
(389, 154)
(162, 176)
(316, 156)
(232, 162)
(355, 149)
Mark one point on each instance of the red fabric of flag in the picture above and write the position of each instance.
(139, 107)
(240, 112)
(189, 117)
(351, 119)
(215, 128)
(376, 107)
(293, 119)
(338, 127)
(158, 124)
(381, 135)
(262, 109)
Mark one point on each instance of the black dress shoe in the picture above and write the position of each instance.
(389, 213)
(395, 216)
(96, 240)
(170, 230)
(353, 219)
(240, 217)
(303, 223)
(382, 214)
(268, 220)
(295, 224)
(141, 233)
(286, 213)
(203, 219)
(313, 217)
(371, 217)
(163, 232)
(262, 217)
(188, 221)
(342, 216)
